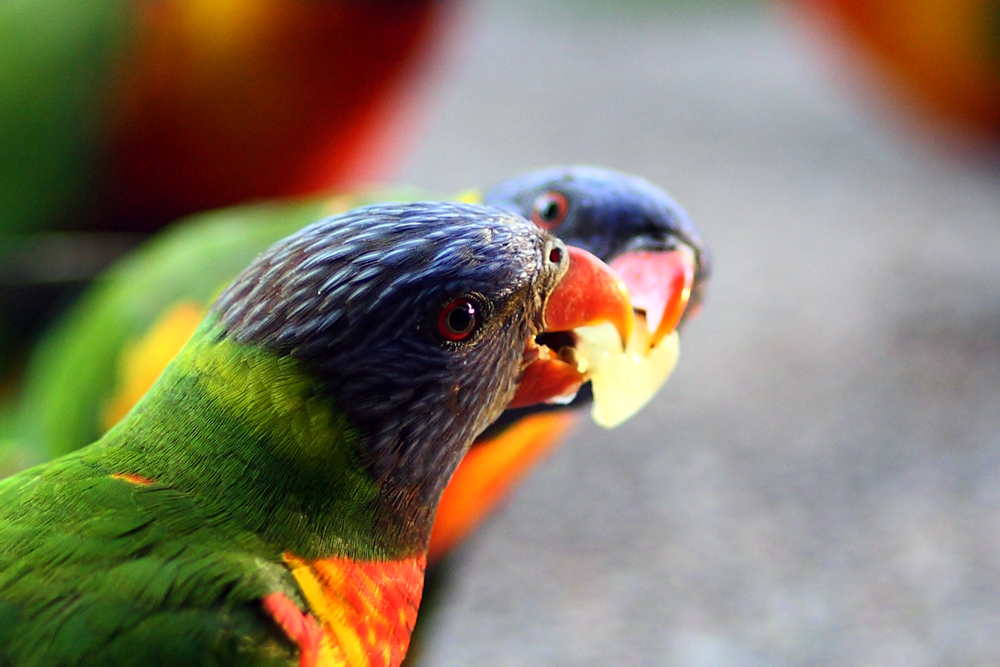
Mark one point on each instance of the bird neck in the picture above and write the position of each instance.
(248, 433)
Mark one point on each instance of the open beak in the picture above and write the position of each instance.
(589, 294)
(659, 284)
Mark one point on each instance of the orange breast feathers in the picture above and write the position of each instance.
(362, 612)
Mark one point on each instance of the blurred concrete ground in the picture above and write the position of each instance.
(819, 483)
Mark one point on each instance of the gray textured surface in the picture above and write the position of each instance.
(819, 483)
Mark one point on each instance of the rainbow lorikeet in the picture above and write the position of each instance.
(110, 348)
(269, 501)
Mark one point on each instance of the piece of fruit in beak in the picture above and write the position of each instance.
(659, 284)
(589, 294)
(623, 382)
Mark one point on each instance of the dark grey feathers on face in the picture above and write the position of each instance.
(362, 299)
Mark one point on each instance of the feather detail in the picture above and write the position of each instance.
(300, 628)
(367, 609)
(132, 478)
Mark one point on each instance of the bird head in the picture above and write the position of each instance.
(626, 221)
(650, 242)
(420, 322)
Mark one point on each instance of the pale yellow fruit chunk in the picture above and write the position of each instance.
(623, 382)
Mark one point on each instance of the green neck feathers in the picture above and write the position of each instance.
(247, 434)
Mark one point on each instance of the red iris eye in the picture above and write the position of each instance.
(549, 210)
(457, 320)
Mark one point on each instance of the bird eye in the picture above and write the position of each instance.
(550, 209)
(457, 320)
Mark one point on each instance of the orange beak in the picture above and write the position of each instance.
(589, 293)
(659, 284)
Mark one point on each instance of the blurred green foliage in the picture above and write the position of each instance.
(49, 113)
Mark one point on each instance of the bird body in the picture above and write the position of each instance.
(192, 542)
(269, 500)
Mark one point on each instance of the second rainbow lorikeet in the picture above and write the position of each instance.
(110, 348)
(269, 500)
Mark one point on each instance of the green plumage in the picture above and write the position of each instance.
(96, 569)
(107, 572)
(301, 418)
(55, 59)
